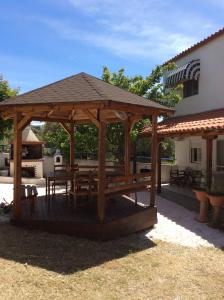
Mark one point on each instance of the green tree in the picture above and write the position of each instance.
(151, 87)
(5, 92)
(56, 137)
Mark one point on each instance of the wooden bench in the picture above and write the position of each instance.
(132, 183)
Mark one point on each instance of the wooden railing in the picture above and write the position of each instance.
(129, 183)
(108, 167)
(122, 184)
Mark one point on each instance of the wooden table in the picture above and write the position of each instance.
(68, 176)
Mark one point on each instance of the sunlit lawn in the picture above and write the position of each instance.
(37, 265)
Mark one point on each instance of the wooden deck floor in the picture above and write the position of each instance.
(122, 216)
(86, 211)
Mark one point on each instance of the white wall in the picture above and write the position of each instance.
(182, 152)
(211, 86)
(2, 159)
(48, 164)
(165, 170)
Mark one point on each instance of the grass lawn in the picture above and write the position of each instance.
(37, 265)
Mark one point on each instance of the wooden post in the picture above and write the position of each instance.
(153, 159)
(17, 159)
(209, 150)
(159, 166)
(72, 156)
(101, 167)
(127, 154)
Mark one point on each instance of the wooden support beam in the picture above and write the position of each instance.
(17, 159)
(133, 121)
(72, 115)
(67, 128)
(153, 159)
(24, 121)
(101, 167)
(209, 149)
(72, 155)
(56, 106)
(66, 120)
(159, 147)
(6, 115)
(91, 117)
(51, 119)
(72, 144)
(50, 112)
(138, 109)
(127, 148)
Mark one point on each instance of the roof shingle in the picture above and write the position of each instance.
(80, 88)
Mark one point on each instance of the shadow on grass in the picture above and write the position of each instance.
(64, 254)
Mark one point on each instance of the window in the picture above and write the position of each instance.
(195, 155)
(220, 155)
(191, 88)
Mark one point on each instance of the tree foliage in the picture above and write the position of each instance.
(56, 137)
(151, 87)
(6, 92)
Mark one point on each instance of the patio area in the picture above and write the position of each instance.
(182, 195)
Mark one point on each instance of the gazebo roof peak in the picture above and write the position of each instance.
(80, 88)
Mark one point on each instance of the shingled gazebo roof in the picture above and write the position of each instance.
(80, 88)
(78, 99)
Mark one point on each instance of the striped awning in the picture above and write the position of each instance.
(189, 71)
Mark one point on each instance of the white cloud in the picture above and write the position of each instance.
(142, 28)
(147, 43)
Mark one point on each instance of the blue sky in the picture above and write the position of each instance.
(46, 40)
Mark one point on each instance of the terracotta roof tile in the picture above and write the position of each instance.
(193, 124)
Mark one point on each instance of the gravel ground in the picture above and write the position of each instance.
(176, 224)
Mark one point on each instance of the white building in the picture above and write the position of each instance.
(198, 123)
(203, 94)
(201, 70)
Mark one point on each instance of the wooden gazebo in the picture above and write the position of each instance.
(83, 99)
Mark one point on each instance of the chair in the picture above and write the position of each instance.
(74, 168)
(194, 176)
(85, 186)
(177, 176)
(60, 182)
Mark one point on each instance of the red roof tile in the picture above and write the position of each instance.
(193, 124)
